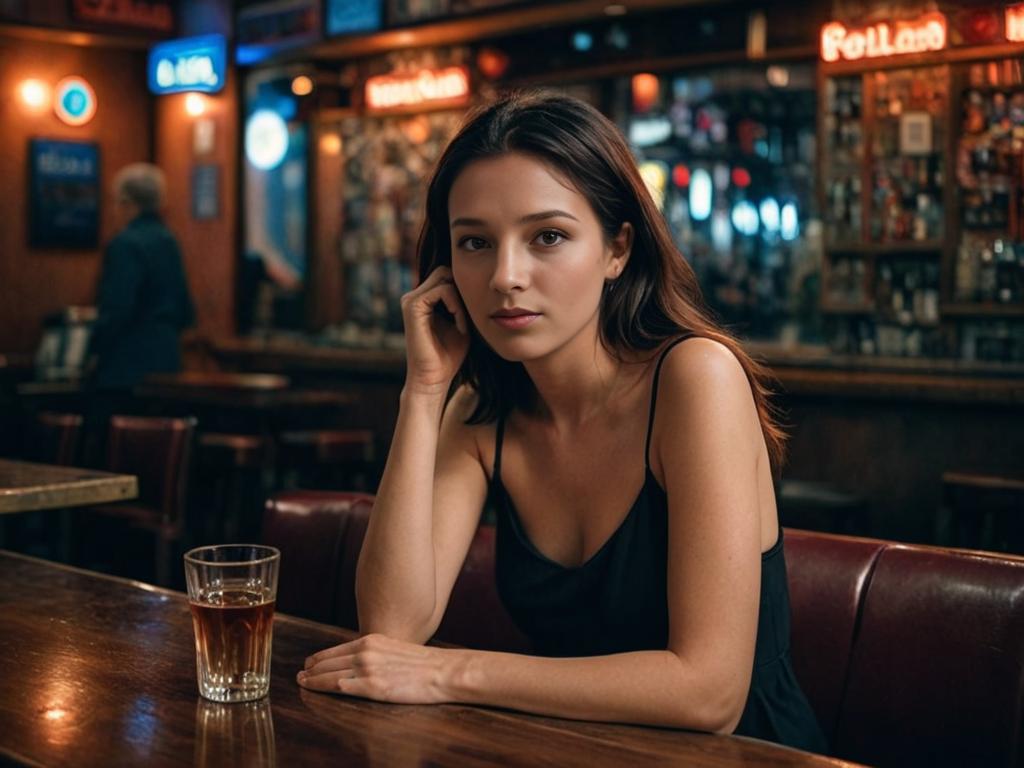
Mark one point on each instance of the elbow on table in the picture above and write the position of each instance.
(394, 623)
(722, 699)
(724, 713)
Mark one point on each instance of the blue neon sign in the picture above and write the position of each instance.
(188, 64)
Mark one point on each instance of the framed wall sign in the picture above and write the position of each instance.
(205, 203)
(64, 194)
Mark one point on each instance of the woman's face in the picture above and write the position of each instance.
(528, 255)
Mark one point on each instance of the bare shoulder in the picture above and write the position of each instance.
(703, 391)
(701, 366)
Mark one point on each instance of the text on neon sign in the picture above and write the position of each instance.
(385, 91)
(926, 33)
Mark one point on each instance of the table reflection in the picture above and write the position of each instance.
(240, 734)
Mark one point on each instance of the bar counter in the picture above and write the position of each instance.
(801, 370)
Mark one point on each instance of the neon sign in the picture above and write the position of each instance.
(1015, 23)
(189, 64)
(428, 86)
(925, 33)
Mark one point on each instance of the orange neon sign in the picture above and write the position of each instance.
(925, 33)
(1015, 23)
(423, 88)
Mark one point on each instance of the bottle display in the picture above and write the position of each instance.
(907, 154)
(842, 121)
(904, 277)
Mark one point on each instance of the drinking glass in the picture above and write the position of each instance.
(231, 591)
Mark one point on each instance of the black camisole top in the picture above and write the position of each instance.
(617, 602)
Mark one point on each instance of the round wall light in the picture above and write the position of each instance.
(75, 101)
(266, 139)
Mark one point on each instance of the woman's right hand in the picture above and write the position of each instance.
(435, 345)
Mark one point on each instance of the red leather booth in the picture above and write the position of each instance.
(910, 655)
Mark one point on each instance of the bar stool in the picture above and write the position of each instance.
(821, 506)
(339, 459)
(51, 438)
(986, 511)
(158, 452)
(233, 465)
(54, 438)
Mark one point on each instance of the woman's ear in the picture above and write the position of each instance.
(619, 249)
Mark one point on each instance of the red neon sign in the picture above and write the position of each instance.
(423, 88)
(925, 33)
(1015, 23)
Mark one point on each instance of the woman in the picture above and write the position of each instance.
(584, 368)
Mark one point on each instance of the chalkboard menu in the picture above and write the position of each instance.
(64, 194)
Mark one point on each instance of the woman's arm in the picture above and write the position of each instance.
(707, 441)
(426, 511)
(414, 546)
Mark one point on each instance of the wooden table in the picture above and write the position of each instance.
(26, 487)
(96, 670)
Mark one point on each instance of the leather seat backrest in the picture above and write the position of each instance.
(320, 534)
(311, 528)
(827, 579)
(937, 671)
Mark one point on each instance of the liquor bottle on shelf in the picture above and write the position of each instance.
(966, 277)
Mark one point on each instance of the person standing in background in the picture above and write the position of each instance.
(143, 301)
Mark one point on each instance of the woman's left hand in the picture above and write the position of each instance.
(380, 668)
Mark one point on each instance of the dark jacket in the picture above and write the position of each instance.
(143, 303)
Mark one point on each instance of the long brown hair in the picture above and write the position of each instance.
(657, 296)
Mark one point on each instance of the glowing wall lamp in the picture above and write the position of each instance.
(302, 85)
(75, 101)
(195, 104)
(35, 94)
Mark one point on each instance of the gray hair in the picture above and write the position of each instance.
(141, 184)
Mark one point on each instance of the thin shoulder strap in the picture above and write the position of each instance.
(499, 436)
(654, 395)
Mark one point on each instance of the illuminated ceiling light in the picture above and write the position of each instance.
(75, 101)
(770, 214)
(744, 218)
(648, 131)
(789, 226)
(740, 177)
(492, 63)
(330, 144)
(266, 139)
(681, 176)
(655, 176)
(615, 9)
(35, 94)
(195, 104)
(700, 195)
(645, 91)
(721, 231)
(777, 76)
(302, 85)
(582, 40)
